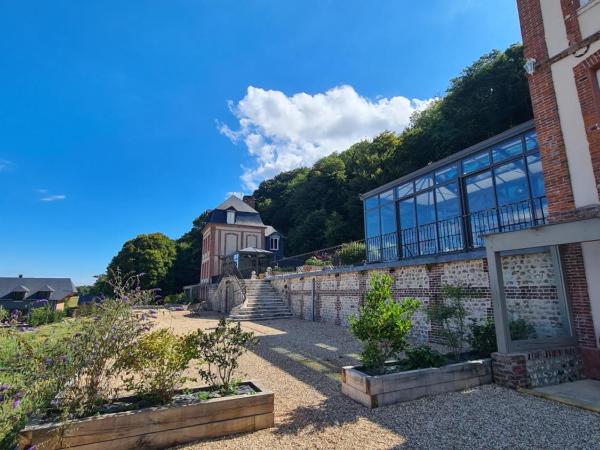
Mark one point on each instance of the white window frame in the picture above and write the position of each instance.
(273, 241)
(230, 217)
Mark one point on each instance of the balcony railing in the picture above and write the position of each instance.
(457, 233)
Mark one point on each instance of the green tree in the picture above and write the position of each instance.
(150, 254)
(488, 97)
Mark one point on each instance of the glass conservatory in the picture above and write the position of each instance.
(494, 186)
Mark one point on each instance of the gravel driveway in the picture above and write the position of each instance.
(300, 361)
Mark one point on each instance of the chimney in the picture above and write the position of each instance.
(250, 201)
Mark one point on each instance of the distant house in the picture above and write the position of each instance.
(235, 227)
(274, 242)
(21, 293)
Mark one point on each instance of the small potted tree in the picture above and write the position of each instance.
(386, 376)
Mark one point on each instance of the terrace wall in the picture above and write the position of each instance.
(333, 296)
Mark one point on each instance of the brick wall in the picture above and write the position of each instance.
(545, 111)
(589, 98)
(537, 368)
(337, 296)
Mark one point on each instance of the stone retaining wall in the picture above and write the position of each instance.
(333, 296)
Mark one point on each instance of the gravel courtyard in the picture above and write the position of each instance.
(300, 361)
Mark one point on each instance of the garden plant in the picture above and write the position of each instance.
(68, 370)
(382, 324)
(451, 314)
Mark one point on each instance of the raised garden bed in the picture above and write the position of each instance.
(159, 427)
(381, 390)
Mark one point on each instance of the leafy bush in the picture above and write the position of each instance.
(314, 261)
(3, 314)
(423, 357)
(520, 329)
(154, 367)
(382, 324)
(220, 351)
(43, 315)
(175, 299)
(351, 253)
(483, 338)
(451, 314)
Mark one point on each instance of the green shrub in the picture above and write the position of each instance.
(382, 324)
(175, 299)
(155, 366)
(314, 261)
(423, 357)
(3, 314)
(44, 315)
(520, 329)
(351, 253)
(450, 313)
(220, 351)
(483, 338)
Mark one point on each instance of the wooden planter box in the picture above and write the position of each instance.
(157, 427)
(382, 390)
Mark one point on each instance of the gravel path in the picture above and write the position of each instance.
(300, 361)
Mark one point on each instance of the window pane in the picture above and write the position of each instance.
(536, 176)
(372, 222)
(423, 183)
(404, 190)
(388, 218)
(408, 232)
(481, 203)
(536, 180)
(446, 174)
(507, 149)
(513, 196)
(448, 204)
(407, 213)
(371, 202)
(426, 220)
(511, 183)
(476, 162)
(387, 196)
(449, 220)
(531, 140)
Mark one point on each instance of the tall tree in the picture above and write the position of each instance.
(151, 254)
(319, 206)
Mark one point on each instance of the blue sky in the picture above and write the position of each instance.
(126, 117)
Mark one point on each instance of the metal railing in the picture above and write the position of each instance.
(458, 233)
(342, 255)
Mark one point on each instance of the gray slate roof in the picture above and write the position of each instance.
(59, 287)
(237, 204)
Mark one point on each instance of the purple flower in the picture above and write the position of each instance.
(64, 358)
(16, 403)
(31, 447)
(48, 361)
(78, 334)
(4, 387)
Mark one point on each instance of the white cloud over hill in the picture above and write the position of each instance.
(285, 132)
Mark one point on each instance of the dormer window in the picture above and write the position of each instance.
(274, 243)
(19, 293)
(230, 217)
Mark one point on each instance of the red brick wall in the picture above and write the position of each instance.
(576, 286)
(545, 111)
(589, 98)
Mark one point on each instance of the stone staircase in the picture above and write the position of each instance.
(263, 302)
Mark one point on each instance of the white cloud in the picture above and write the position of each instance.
(46, 197)
(5, 165)
(284, 132)
(53, 198)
